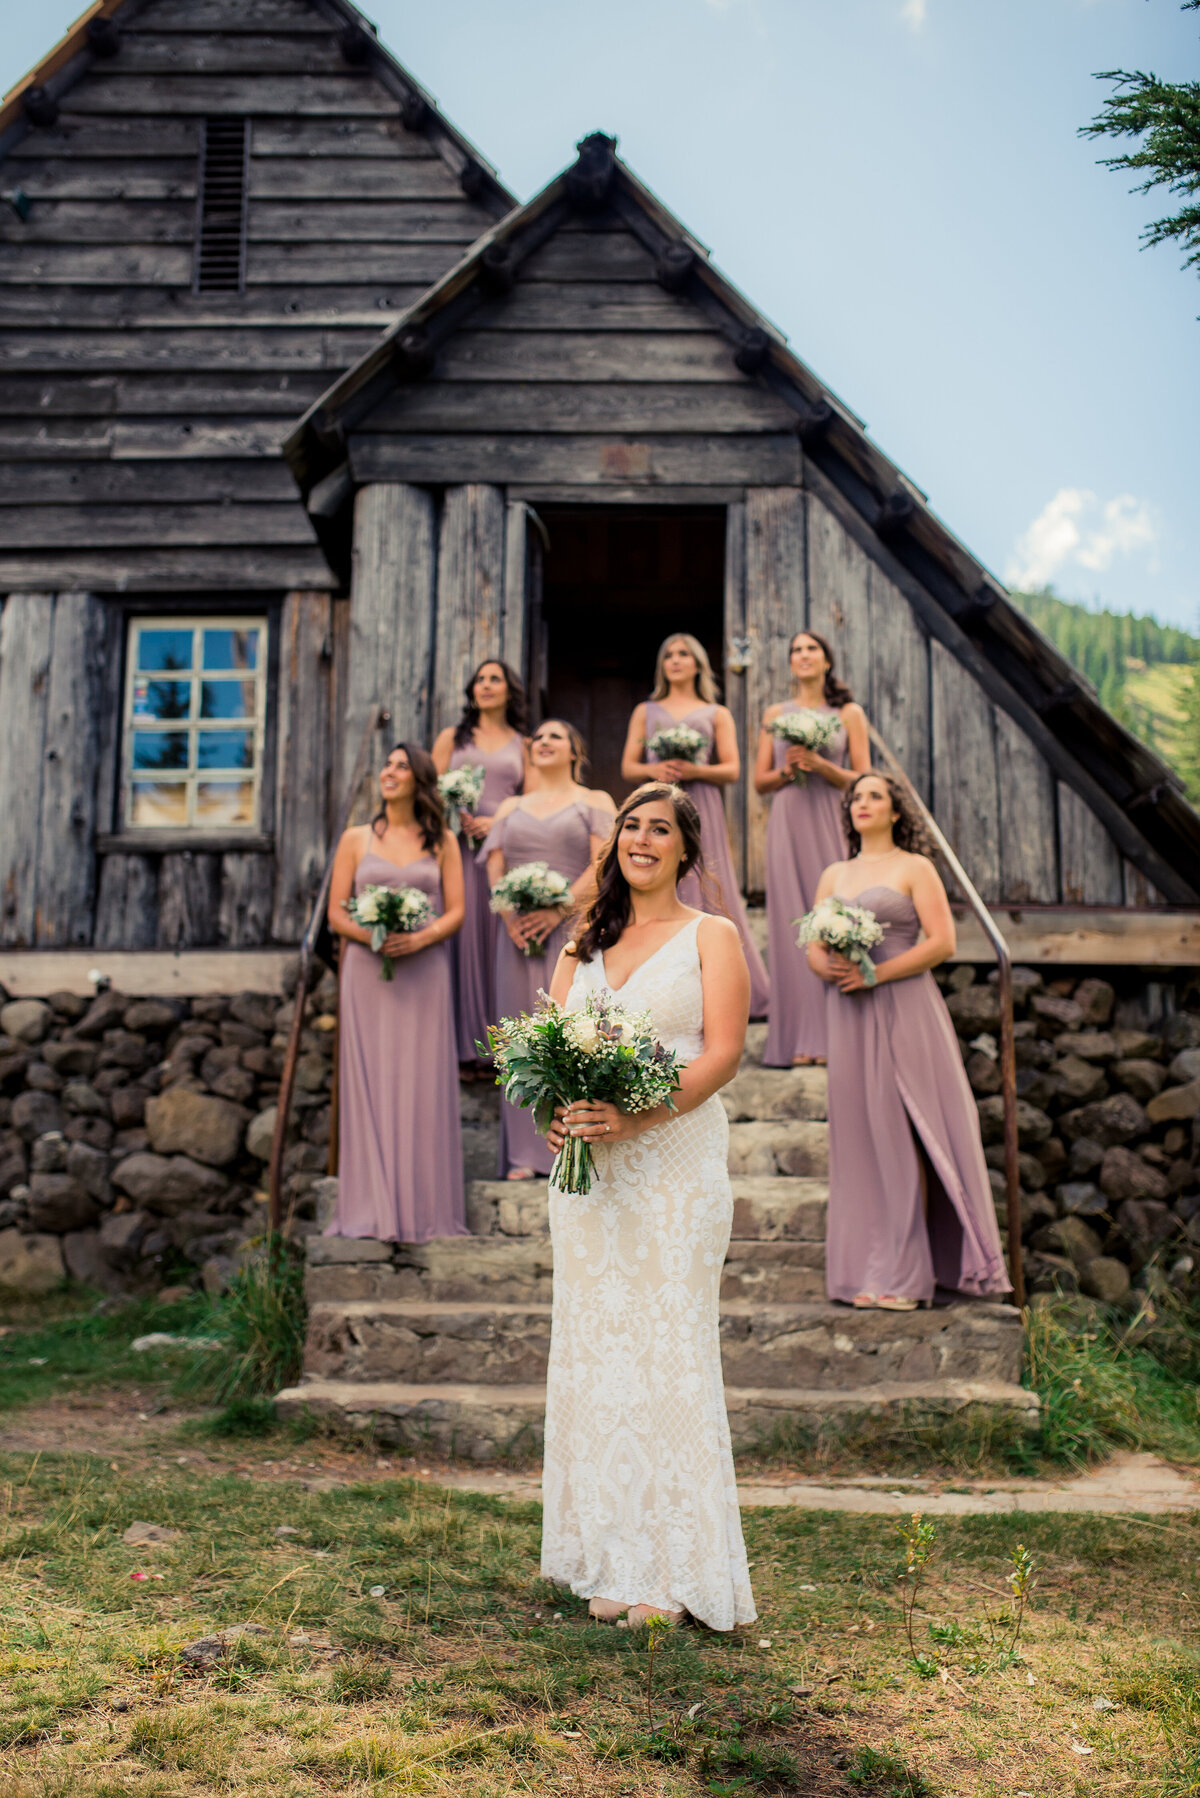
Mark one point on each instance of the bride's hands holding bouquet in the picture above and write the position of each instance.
(595, 1120)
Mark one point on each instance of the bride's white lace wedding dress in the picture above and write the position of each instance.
(640, 1503)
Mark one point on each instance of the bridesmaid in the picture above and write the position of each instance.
(491, 733)
(685, 692)
(910, 1203)
(400, 1173)
(804, 834)
(565, 825)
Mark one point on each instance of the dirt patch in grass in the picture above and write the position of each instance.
(404, 1641)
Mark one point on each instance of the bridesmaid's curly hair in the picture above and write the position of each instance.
(516, 710)
(837, 693)
(427, 801)
(908, 832)
(609, 911)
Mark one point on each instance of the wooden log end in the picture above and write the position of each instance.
(414, 355)
(814, 421)
(895, 510)
(415, 111)
(498, 268)
(1059, 698)
(674, 267)
(355, 45)
(752, 350)
(590, 178)
(40, 107)
(103, 36)
(473, 178)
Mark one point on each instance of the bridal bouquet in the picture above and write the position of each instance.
(532, 887)
(384, 911)
(460, 791)
(550, 1057)
(851, 930)
(808, 730)
(678, 743)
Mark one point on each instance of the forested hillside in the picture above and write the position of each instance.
(1147, 673)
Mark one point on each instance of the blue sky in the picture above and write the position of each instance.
(898, 184)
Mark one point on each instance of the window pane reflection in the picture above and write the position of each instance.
(165, 649)
(224, 802)
(160, 749)
(225, 749)
(230, 649)
(161, 698)
(227, 699)
(158, 803)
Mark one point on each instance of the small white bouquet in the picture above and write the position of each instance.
(550, 1057)
(534, 886)
(460, 790)
(850, 930)
(386, 911)
(808, 730)
(678, 743)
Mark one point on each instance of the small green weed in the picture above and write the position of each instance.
(887, 1775)
(360, 1678)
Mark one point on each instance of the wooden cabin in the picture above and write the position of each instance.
(301, 412)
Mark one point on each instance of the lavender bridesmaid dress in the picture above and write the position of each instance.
(720, 894)
(400, 1170)
(804, 835)
(473, 950)
(563, 841)
(894, 1071)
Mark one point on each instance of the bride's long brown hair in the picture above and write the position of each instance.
(610, 910)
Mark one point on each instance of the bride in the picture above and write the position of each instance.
(640, 1504)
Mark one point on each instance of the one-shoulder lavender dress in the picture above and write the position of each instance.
(895, 1070)
(804, 835)
(400, 1170)
(563, 842)
(722, 897)
(473, 950)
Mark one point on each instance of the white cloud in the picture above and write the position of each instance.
(1076, 530)
(912, 12)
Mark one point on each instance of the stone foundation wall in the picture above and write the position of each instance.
(1108, 1081)
(134, 1133)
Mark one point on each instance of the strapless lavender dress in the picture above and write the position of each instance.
(804, 835)
(400, 1169)
(895, 1071)
(563, 841)
(719, 894)
(473, 950)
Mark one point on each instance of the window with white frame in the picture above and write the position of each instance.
(195, 698)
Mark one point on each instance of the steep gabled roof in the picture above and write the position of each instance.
(95, 35)
(141, 412)
(957, 599)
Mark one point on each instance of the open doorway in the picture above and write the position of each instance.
(616, 581)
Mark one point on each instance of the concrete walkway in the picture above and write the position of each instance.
(1128, 1483)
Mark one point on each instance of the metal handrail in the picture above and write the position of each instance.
(1008, 1049)
(377, 717)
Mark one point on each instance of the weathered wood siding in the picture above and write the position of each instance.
(139, 421)
(51, 676)
(586, 380)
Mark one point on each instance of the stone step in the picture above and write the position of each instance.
(486, 1423)
(518, 1269)
(811, 1344)
(765, 1094)
(766, 1206)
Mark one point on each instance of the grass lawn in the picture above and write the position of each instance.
(406, 1643)
(402, 1639)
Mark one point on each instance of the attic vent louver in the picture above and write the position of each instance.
(221, 225)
